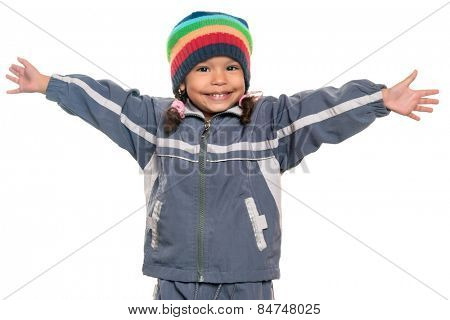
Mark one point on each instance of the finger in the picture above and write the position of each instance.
(14, 71)
(428, 92)
(429, 101)
(12, 79)
(410, 78)
(423, 109)
(13, 91)
(24, 62)
(413, 116)
(20, 69)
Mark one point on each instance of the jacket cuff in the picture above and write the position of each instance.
(381, 110)
(54, 88)
(55, 91)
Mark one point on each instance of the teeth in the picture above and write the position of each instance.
(218, 95)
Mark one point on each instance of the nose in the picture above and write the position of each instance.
(219, 77)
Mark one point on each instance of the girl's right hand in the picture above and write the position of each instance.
(28, 78)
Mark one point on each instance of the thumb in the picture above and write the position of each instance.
(409, 79)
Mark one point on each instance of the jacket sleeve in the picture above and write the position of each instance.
(125, 116)
(305, 120)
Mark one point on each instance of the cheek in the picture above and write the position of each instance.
(242, 83)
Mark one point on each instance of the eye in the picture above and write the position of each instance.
(202, 68)
(237, 68)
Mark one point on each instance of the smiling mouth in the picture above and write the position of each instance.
(219, 97)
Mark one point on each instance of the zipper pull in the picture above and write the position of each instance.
(207, 125)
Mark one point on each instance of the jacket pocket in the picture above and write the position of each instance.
(152, 223)
(258, 223)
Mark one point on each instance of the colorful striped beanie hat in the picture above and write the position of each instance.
(203, 35)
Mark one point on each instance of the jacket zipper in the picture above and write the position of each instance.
(202, 195)
(202, 200)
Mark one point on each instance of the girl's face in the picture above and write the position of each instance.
(220, 75)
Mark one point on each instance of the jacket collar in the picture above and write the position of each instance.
(192, 110)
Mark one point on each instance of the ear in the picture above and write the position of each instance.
(182, 86)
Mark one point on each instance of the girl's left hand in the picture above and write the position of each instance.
(403, 100)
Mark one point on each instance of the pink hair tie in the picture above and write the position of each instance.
(250, 94)
(179, 107)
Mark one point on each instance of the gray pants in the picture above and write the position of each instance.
(175, 290)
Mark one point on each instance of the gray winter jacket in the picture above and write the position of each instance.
(213, 187)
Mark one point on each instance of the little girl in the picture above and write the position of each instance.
(213, 157)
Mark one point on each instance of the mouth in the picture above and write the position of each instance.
(219, 96)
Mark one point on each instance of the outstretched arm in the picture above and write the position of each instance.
(125, 116)
(305, 120)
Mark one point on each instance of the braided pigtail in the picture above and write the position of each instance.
(248, 103)
(175, 113)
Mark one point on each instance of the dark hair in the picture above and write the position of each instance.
(172, 119)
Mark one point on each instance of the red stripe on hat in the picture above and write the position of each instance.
(200, 42)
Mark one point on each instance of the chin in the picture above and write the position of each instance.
(221, 108)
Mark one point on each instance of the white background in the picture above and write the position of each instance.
(365, 231)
